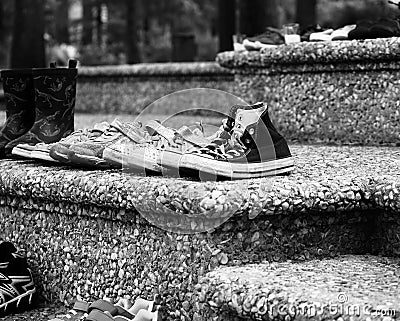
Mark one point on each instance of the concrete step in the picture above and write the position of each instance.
(345, 288)
(341, 92)
(90, 234)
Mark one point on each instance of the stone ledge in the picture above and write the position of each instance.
(327, 179)
(39, 312)
(91, 234)
(156, 70)
(330, 289)
(308, 53)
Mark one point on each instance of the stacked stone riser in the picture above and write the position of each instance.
(94, 257)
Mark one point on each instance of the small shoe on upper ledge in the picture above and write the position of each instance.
(321, 36)
(271, 38)
(305, 33)
(361, 31)
(342, 33)
(385, 28)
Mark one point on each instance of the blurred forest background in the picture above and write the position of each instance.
(104, 32)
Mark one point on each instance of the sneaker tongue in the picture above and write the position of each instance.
(230, 123)
(248, 116)
(154, 128)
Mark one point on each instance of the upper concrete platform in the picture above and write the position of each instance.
(323, 55)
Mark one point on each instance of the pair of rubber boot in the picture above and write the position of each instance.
(39, 105)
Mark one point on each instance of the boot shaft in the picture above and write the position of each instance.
(20, 106)
(55, 89)
(55, 94)
(18, 90)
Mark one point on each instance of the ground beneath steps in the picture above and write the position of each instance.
(40, 312)
(355, 287)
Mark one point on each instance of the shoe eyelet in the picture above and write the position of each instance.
(251, 131)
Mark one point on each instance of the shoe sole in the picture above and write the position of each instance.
(21, 152)
(87, 161)
(36, 154)
(62, 158)
(131, 161)
(253, 45)
(235, 170)
(14, 304)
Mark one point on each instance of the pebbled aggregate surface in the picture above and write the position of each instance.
(343, 92)
(346, 288)
(369, 50)
(91, 234)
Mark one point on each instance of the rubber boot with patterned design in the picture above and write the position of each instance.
(55, 93)
(20, 105)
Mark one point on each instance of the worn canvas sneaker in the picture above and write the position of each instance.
(57, 152)
(16, 283)
(253, 148)
(90, 153)
(162, 143)
(271, 38)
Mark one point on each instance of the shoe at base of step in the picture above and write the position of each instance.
(122, 310)
(17, 288)
(141, 315)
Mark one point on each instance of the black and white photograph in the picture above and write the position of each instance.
(199, 160)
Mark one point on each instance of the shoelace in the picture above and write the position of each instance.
(182, 139)
(225, 147)
(79, 133)
(108, 135)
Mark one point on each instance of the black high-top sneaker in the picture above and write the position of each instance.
(55, 93)
(20, 105)
(253, 148)
(16, 283)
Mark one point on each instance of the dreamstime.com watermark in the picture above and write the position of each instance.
(336, 308)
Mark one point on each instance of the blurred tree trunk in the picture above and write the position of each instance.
(2, 24)
(306, 13)
(184, 47)
(28, 30)
(87, 22)
(62, 21)
(256, 15)
(226, 24)
(132, 32)
(99, 23)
